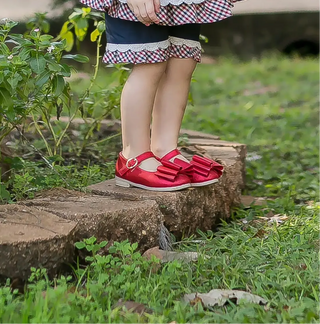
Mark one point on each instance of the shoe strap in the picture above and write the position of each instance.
(170, 155)
(134, 162)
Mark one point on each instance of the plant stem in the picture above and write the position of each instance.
(40, 133)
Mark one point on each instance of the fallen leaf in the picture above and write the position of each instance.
(248, 201)
(270, 214)
(221, 297)
(278, 219)
(301, 267)
(253, 157)
(272, 218)
(313, 205)
(196, 301)
(133, 307)
(260, 233)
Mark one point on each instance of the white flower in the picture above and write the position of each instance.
(50, 49)
(36, 29)
(4, 20)
(10, 57)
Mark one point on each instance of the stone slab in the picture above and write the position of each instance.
(33, 238)
(105, 218)
(46, 228)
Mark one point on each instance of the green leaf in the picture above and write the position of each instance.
(18, 38)
(43, 78)
(54, 66)
(89, 248)
(103, 244)
(91, 240)
(94, 35)
(14, 80)
(101, 26)
(77, 57)
(45, 38)
(68, 37)
(38, 64)
(82, 23)
(45, 26)
(5, 98)
(74, 15)
(64, 29)
(4, 50)
(55, 158)
(134, 246)
(80, 33)
(25, 54)
(86, 10)
(65, 70)
(80, 245)
(4, 62)
(58, 85)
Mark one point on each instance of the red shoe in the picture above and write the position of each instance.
(168, 176)
(201, 171)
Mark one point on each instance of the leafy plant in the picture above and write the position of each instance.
(92, 246)
(32, 82)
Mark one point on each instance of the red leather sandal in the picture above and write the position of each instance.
(201, 171)
(168, 176)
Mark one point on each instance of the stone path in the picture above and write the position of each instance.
(18, 10)
(42, 232)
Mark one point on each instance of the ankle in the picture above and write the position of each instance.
(130, 153)
(161, 152)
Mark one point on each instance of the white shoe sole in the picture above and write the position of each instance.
(205, 183)
(127, 184)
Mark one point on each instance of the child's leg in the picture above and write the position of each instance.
(170, 104)
(136, 106)
(133, 42)
(172, 94)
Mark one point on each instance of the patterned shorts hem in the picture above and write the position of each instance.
(157, 56)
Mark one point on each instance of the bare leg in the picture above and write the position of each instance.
(170, 103)
(137, 101)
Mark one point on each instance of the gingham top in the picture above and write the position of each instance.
(172, 12)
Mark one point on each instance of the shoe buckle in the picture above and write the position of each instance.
(131, 166)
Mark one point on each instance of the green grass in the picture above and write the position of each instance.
(279, 124)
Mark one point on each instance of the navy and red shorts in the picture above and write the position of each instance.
(133, 42)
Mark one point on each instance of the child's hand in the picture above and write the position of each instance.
(145, 10)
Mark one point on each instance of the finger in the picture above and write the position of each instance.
(130, 6)
(141, 16)
(156, 4)
(144, 14)
(150, 10)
